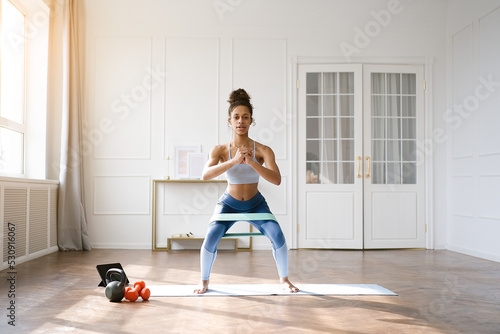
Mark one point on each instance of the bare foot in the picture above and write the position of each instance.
(202, 287)
(288, 285)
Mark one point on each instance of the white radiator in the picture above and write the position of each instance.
(28, 213)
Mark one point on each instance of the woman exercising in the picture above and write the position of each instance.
(244, 161)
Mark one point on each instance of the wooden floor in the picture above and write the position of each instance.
(438, 292)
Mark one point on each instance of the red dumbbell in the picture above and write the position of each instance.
(145, 293)
(139, 290)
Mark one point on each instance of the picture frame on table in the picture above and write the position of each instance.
(182, 153)
(197, 162)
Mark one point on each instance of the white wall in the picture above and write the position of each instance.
(472, 120)
(199, 51)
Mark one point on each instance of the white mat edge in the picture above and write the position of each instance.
(271, 290)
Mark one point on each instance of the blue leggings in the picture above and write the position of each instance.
(216, 229)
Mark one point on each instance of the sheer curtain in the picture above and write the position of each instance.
(393, 128)
(65, 98)
(330, 128)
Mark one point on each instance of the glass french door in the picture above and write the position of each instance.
(394, 206)
(330, 148)
(360, 183)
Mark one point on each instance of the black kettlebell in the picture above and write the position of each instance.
(115, 290)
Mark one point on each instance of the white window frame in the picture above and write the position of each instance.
(34, 128)
(5, 122)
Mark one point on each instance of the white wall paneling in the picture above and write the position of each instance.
(463, 196)
(464, 136)
(121, 211)
(474, 178)
(122, 195)
(488, 191)
(120, 231)
(190, 198)
(203, 56)
(259, 66)
(123, 85)
(489, 26)
(460, 227)
(191, 92)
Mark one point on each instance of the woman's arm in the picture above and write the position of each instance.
(271, 171)
(214, 167)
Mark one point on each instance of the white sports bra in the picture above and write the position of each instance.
(242, 173)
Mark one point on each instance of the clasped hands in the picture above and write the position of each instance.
(242, 153)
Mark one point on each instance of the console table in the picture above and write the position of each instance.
(169, 242)
(155, 182)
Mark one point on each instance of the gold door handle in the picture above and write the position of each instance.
(358, 158)
(369, 167)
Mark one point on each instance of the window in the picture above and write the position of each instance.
(24, 27)
(12, 89)
(330, 127)
(394, 128)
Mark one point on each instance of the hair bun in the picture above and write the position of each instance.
(238, 95)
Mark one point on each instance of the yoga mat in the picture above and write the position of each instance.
(269, 290)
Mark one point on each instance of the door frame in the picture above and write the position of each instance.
(426, 147)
